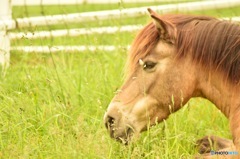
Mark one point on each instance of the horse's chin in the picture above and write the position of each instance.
(127, 137)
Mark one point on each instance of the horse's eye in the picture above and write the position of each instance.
(149, 65)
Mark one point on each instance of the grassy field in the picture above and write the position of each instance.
(52, 105)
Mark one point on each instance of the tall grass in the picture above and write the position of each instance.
(52, 106)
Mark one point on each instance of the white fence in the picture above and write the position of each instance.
(6, 23)
(5, 15)
(69, 49)
(85, 31)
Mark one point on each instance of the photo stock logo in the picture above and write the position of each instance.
(223, 152)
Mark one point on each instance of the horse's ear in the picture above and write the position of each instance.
(165, 28)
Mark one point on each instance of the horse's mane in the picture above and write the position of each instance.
(213, 43)
(142, 45)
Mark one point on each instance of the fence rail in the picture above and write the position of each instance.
(86, 31)
(67, 49)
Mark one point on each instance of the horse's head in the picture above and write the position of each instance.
(157, 82)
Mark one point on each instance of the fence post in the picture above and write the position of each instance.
(5, 14)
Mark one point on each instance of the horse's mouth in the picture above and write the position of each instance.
(123, 137)
(126, 137)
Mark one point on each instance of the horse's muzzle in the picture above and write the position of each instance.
(116, 130)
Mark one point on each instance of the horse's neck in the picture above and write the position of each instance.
(225, 96)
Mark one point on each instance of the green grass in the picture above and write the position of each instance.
(52, 105)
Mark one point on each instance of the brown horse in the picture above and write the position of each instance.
(172, 59)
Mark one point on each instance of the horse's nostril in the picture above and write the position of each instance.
(110, 122)
(110, 125)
